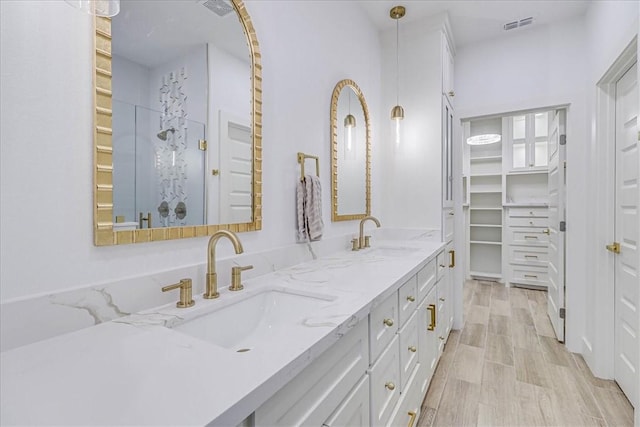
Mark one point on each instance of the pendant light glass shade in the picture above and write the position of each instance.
(349, 130)
(105, 8)
(397, 112)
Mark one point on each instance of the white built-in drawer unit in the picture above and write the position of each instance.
(426, 279)
(383, 325)
(528, 236)
(528, 212)
(312, 396)
(408, 411)
(528, 255)
(530, 275)
(407, 300)
(408, 349)
(528, 222)
(385, 384)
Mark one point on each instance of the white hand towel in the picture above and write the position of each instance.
(309, 209)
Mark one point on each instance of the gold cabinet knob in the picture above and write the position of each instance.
(442, 299)
(411, 298)
(441, 338)
(546, 231)
(451, 93)
(413, 349)
(390, 386)
(388, 322)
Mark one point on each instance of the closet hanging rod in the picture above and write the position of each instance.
(302, 157)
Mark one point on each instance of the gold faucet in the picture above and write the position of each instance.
(363, 241)
(211, 291)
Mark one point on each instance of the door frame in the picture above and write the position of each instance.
(600, 353)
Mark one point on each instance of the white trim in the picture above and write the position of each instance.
(600, 357)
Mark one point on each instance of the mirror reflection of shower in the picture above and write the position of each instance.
(162, 135)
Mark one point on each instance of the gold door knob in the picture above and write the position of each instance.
(390, 386)
(614, 247)
(413, 349)
(388, 322)
(411, 298)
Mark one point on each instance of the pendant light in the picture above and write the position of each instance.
(105, 8)
(349, 127)
(397, 112)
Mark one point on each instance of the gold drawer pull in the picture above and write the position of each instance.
(388, 322)
(452, 264)
(531, 275)
(432, 325)
(411, 298)
(390, 386)
(413, 349)
(412, 420)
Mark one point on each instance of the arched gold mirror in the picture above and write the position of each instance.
(178, 122)
(350, 153)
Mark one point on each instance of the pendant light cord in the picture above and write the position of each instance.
(397, 62)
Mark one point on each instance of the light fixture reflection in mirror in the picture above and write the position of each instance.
(349, 130)
(397, 112)
(106, 8)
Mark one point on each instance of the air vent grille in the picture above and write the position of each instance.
(517, 24)
(219, 7)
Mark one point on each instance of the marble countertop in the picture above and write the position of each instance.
(136, 370)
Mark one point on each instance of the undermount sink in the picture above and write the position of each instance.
(268, 317)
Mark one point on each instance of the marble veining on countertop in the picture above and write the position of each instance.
(137, 370)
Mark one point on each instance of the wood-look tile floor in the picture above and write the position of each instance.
(506, 368)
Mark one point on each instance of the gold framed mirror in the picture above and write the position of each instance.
(350, 153)
(179, 215)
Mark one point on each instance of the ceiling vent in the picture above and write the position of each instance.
(219, 7)
(517, 24)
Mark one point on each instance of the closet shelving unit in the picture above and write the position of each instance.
(485, 197)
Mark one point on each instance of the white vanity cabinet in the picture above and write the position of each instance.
(378, 374)
(314, 394)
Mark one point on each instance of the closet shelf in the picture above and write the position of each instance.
(488, 275)
(486, 158)
(473, 175)
(485, 192)
(486, 225)
(486, 209)
(484, 242)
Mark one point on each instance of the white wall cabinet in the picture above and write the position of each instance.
(527, 141)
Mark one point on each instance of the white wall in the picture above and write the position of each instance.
(46, 212)
(532, 68)
(611, 26)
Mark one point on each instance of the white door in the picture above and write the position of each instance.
(236, 164)
(556, 150)
(627, 223)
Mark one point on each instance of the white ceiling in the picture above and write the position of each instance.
(477, 20)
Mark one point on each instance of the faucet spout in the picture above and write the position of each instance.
(361, 239)
(211, 290)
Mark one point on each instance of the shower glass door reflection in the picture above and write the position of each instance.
(158, 168)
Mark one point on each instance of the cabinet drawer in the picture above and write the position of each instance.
(383, 325)
(426, 279)
(528, 222)
(407, 410)
(407, 300)
(442, 318)
(408, 349)
(530, 275)
(528, 236)
(385, 384)
(355, 410)
(528, 212)
(311, 397)
(447, 220)
(442, 262)
(533, 256)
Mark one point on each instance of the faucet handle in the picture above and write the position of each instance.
(354, 244)
(367, 241)
(186, 297)
(236, 277)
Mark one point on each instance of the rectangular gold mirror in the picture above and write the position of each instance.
(177, 154)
